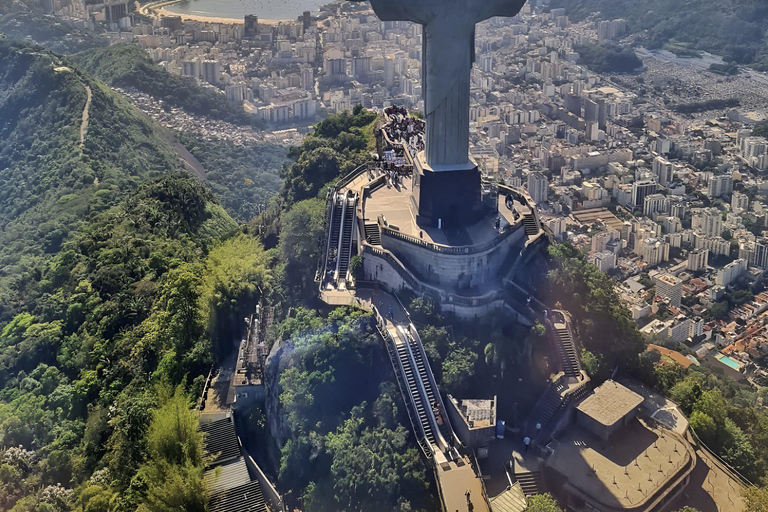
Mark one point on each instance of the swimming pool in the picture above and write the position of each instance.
(728, 361)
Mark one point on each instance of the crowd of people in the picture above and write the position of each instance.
(404, 128)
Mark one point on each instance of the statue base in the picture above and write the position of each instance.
(446, 198)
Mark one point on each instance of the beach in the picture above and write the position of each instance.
(158, 10)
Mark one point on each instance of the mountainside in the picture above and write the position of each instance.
(243, 176)
(127, 65)
(122, 280)
(69, 147)
(734, 29)
(24, 20)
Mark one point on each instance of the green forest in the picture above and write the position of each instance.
(734, 29)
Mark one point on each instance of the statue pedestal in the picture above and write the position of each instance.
(448, 198)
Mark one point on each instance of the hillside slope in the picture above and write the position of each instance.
(49, 181)
(127, 65)
(734, 29)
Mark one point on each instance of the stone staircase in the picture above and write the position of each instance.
(531, 226)
(530, 481)
(569, 359)
(373, 234)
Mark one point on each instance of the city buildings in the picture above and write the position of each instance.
(669, 287)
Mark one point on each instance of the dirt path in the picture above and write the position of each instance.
(86, 112)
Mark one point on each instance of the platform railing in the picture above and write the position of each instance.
(447, 249)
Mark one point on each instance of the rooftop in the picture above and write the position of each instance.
(479, 413)
(639, 461)
(221, 440)
(593, 215)
(610, 403)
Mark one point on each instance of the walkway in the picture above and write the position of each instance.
(86, 114)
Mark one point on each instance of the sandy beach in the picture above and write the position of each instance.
(157, 9)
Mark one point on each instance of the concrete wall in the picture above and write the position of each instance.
(380, 270)
(453, 270)
(474, 438)
(603, 431)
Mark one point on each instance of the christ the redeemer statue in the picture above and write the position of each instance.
(447, 57)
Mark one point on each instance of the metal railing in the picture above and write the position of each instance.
(447, 249)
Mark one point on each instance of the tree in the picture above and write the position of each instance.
(301, 244)
(234, 278)
(594, 365)
(371, 467)
(172, 478)
(173, 434)
(458, 367)
(756, 499)
(173, 488)
(704, 426)
(542, 503)
(687, 392)
(604, 325)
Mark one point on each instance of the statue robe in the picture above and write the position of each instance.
(447, 57)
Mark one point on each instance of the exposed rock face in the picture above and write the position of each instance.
(280, 357)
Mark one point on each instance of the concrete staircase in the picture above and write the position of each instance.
(531, 226)
(373, 234)
(569, 359)
(530, 482)
(546, 407)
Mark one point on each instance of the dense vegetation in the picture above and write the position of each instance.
(125, 281)
(143, 293)
(734, 29)
(603, 58)
(121, 279)
(243, 176)
(705, 106)
(337, 146)
(344, 449)
(49, 183)
(127, 65)
(761, 129)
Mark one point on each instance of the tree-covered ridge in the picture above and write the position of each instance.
(336, 146)
(49, 182)
(603, 58)
(127, 65)
(145, 293)
(244, 177)
(734, 29)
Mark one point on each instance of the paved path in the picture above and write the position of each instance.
(86, 114)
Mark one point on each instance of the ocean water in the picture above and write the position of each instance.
(237, 9)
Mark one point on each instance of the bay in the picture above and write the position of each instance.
(237, 9)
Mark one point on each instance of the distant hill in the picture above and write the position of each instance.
(127, 65)
(24, 20)
(49, 180)
(734, 29)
